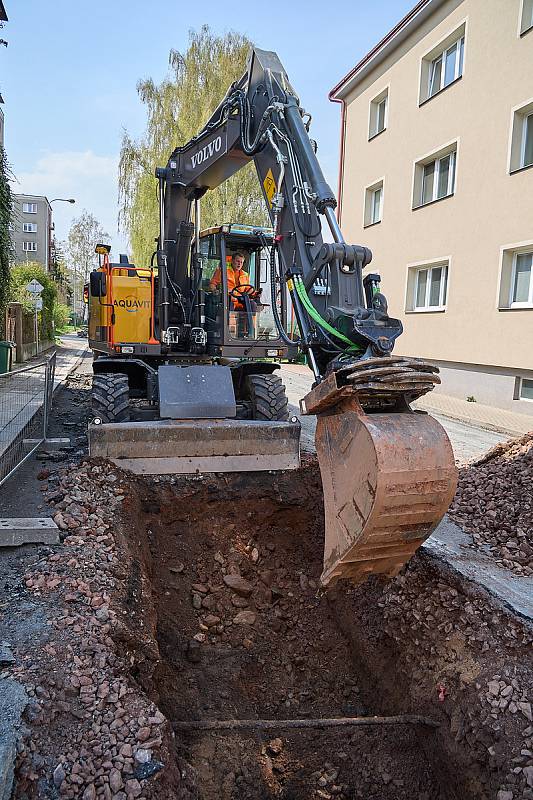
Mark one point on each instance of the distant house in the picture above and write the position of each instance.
(31, 229)
(437, 179)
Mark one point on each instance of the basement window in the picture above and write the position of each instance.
(525, 391)
(427, 287)
(379, 108)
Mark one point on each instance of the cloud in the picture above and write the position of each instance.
(90, 178)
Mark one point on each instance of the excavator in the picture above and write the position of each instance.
(187, 350)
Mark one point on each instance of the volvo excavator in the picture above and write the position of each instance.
(187, 350)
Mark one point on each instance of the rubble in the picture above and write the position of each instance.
(494, 502)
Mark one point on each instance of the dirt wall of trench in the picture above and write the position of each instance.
(277, 646)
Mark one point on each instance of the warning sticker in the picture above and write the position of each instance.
(270, 186)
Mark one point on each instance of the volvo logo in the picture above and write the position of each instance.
(206, 152)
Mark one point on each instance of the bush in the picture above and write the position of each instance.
(61, 317)
(21, 275)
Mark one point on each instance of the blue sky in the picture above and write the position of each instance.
(69, 74)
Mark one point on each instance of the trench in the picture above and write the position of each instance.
(278, 647)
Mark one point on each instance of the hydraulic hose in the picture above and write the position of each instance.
(279, 325)
(313, 313)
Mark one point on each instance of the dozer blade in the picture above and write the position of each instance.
(388, 479)
(164, 447)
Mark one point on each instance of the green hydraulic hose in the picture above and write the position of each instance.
(311, 310)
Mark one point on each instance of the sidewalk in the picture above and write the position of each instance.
(495, 419)
(22, 393)
(68, 354)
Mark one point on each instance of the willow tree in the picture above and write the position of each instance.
(176, 110)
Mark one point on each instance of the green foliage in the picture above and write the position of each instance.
(21, 275)
(5, 238)
(177, 109)
(61, 317)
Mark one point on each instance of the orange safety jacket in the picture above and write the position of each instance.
(235, 278)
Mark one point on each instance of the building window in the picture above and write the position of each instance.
(521, 284)
(29, 247)
(526, 20)
(427, 287)
(379, 108)
(522, 138)
(443, 64)
(516, 283)
(525, 389)
(435, 177)
(29, 227)
(29, 208)
(373, 204)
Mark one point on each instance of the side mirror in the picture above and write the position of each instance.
(98, 284)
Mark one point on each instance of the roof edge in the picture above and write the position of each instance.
(392, 39)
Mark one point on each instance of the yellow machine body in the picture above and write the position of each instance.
(125, 313)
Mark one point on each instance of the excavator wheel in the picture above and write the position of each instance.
(110, 397)
(268, 397)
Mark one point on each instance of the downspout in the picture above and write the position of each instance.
(341, 154)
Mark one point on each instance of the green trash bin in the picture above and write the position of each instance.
(6, 356)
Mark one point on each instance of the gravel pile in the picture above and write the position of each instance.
(91, 732)
(494, 502)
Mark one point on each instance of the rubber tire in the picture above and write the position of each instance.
(268, 397)
(111, 397)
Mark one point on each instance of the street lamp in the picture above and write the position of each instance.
(62, 200)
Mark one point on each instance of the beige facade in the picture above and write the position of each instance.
(437, 181)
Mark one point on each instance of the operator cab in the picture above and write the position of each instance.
(237, 290)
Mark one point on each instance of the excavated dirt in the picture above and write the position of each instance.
(494, 502)
(244, 632)
(225, 575)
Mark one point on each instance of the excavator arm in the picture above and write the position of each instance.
(388, 472)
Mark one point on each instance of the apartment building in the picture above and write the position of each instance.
(31, 229)
(436, 178)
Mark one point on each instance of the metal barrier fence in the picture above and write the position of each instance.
(25, 403)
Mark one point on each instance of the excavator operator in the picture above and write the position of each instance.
(238, 282)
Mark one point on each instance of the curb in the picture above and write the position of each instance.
(489, 426)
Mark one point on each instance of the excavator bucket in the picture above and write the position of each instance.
(168, 446)
(388, 475)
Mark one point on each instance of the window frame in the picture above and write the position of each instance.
(459, 46)
(369, 194)
(373, 113)
(526, 6)
(523, 144)
(443, 288)
(374, 193)
(32, 249)
(452, 174)
(520, 303)
(26, 229)
(27, 210)
(456, 36)
(519, 393)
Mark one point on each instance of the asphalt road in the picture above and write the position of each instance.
(468, 441)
